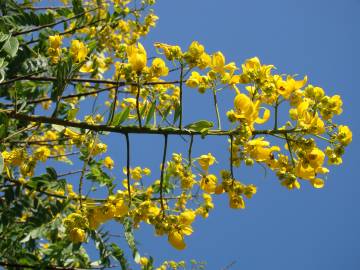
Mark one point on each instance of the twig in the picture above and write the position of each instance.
(217, 110)
(181, 94)
(162, 175)
(231, 157)
(190, 150)
(128, 166)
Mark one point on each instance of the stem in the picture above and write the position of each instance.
(162, 174)
(216, 110)
(276, 114)
(190, 150)
(290, 151)
(128, 166)
(137, 101)
(231, 157)
(181, 94)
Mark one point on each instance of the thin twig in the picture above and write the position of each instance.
(190, 150)
(137, 101)
(162, 175)
(231, 157)
(128, 166)
(181, 94)
(217, 110)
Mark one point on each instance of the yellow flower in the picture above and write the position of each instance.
(42, 153)
(159, 68)
(137, 57)
(77, 235)
(187, 217)
(317, 183)
(208, 183)
(109, 163)
(316, 158)
(98, 148)
(206, 160)
(78, 50)
(286, 88)
(55, 41)
(54, 49)
(195, 49)
(144, 261)
(248, 111)
(218, 62)
(194, 80)
(176, 239)
(236, 201)
(259, 150)
(344, 135)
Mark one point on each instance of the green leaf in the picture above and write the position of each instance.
(118, 254)
(150, 114)
(177, 113)
(11, 46)
(129, 236)
(200, 126)
(4, 123)
(120, 117)
(1, 163)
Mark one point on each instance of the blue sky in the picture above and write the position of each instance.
(279, 229)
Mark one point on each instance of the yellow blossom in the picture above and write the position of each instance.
(109, 163)
(206, 160)
(208, 183)
(137, 57)
(78, 50)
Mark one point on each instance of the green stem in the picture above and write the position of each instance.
(137, 102)
(217, 110)
(181, 94)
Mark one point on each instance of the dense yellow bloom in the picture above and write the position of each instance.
(78, 50)
(137, 57)
(15, 157)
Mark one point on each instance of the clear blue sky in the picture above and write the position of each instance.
(279, 229)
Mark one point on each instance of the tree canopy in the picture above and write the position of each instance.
(73, 73)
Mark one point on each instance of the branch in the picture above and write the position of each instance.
(143, 130)
(52, 24)
(83, 80)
